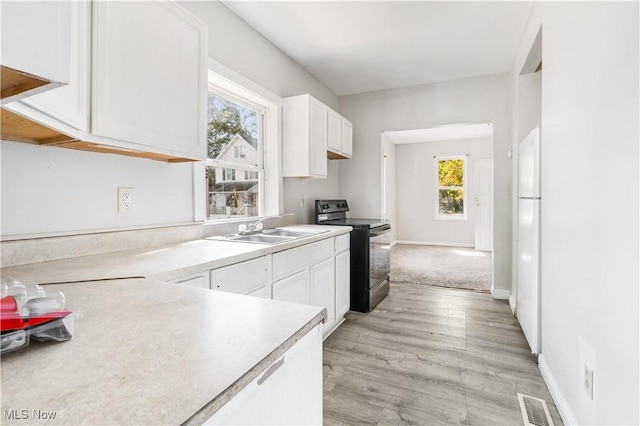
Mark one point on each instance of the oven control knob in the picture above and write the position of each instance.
(344, 205)
(325, 206)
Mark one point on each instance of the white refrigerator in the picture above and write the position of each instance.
(528, 290)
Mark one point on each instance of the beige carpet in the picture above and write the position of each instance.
(455, 267)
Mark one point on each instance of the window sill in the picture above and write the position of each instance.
(454, 218)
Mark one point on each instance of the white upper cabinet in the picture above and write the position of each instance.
(305, 135)
(347, 138)
(340, 137)
(149, 75)
(35, 47)
(70, 104)
(313, 132)
(335, 132)
(137, 74)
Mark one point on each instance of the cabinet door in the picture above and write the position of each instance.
(149, 75)
(347, 138)
(70, 103)
(322, 289)
(263, 292)
(34, 41)
(292, 289)
(318, 115)
(289, 392)
(241, 278)
(201, 279)
(289, 261)
(334, 141)
(343, 283)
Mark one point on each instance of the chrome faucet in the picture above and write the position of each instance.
(252, 228)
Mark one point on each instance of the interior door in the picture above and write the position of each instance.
(483, 215)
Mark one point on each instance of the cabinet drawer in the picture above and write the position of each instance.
(242, 277)
(290, 261)
(343, 243)
(201, 279)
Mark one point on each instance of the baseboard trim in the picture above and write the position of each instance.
(500, 294)
(393, 243)
(426, 243)
(512, 304)
(561, 403)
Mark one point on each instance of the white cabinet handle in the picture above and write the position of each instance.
(270, 371)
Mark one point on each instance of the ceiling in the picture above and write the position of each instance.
(441, 133)
(362, 46)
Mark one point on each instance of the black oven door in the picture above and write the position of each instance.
(379, 264)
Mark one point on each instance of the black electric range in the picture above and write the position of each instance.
(370, 252)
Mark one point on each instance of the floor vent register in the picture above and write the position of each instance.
(535, 411)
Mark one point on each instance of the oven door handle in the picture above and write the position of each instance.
(380, 230)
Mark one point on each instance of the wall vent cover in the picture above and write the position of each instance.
(535, 411)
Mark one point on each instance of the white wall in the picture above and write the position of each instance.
(389, 179)
(46, 189)
(416, 191)
(296, 190)
(590, 185)
(164, 192)
(235, 44)
(474, 100)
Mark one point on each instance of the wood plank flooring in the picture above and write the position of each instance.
(430, 356)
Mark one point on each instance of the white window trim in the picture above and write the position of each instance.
(271, 183)
(440, 216)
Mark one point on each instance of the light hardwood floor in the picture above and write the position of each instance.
(430, 356)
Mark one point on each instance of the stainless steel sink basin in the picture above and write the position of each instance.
(258, 238)
(268, 236)
(288, 233)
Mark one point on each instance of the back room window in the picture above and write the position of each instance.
(450, 194)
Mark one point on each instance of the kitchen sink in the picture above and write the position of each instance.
(288, 233)
(268, 236)
(258, 238)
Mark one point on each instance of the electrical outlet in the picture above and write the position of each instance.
(588, 381)
(126, 200)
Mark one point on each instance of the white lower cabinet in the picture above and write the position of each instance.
(263, 292)
(294, 288)
(322, 290)
(289, 261)
(312, 274)
(247, 277)
(289, 392)
(201, 279)
(343, 284)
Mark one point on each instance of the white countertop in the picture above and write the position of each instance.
(161, 262)
(146, 352)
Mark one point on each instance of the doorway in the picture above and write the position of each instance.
(437, 191)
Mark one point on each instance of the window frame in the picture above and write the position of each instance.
(451, 216)
(210, 162)
(272, 188)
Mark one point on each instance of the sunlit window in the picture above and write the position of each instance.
(234, 164)
(450, 187)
